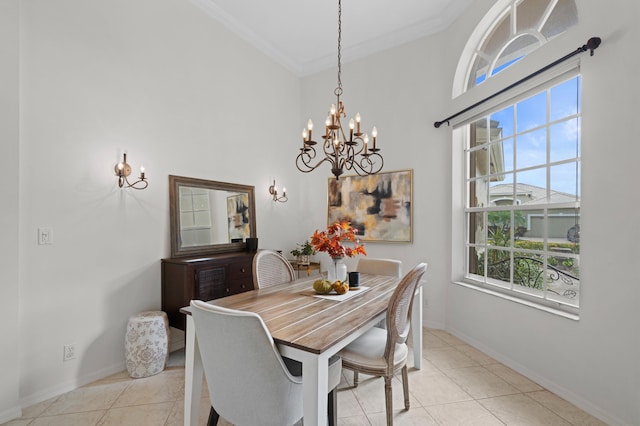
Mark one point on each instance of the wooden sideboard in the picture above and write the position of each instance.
(203, 278)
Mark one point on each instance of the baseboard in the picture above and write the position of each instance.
(62, 388)
(10, 414)
(550, 385)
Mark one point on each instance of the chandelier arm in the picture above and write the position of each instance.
(303, 160)
(368, 165)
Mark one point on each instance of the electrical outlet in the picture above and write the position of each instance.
(69, 352)
(45, 236)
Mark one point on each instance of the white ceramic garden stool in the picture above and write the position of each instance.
(147, 343)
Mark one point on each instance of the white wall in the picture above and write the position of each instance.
(592, 362)
(161, 80)
(9, 218)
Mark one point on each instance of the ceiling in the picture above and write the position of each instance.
(302, 35)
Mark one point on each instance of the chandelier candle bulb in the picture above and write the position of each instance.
(358, 121)
(374, 134)
(142, 172)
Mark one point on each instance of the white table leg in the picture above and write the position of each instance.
(193, 375)
(315, 391)
(416, 328)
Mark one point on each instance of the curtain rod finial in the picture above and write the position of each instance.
(592, 44)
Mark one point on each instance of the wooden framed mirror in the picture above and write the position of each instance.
(209, 217)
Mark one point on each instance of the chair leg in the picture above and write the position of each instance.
(355, 379)
(213, 417)
(332, 409)
(405, 386)
(388, 400)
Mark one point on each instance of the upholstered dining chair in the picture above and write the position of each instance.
(382, 353)
(247, 379)
(271, 268)
(389, 267)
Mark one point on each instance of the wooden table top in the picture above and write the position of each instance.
(296, 318)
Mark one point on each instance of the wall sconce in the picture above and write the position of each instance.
(123, 170)
(274, 192)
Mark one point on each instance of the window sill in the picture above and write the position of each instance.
(541, 307)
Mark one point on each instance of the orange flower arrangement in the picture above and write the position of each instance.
(330, 240)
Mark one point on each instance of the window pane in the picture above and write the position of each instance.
(564, 229)
(499, 228)
(531, 149)
(532, 184)
(528, 270)
(565, 180)
(563, 140)
(565, 99)
(504, 121)
(517, 49)
(529, 229)
(531, 112)
(501, 191)
(479, 71)
(507, 156)
(564, 15)
(478, 193)
(529, 13)
(499, 266)
(499, 36)
(479, 162)
(476, 261)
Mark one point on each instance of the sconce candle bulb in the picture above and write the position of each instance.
(123, 170)
(273, 190)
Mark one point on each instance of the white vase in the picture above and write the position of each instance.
(337, 271)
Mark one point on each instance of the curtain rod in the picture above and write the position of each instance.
(592, 44)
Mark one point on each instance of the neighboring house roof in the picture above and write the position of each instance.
(529, 194)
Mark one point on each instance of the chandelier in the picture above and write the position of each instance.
(343, 151)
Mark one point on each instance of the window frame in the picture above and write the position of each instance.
(542, 84)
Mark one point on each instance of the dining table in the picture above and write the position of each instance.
(307, 327)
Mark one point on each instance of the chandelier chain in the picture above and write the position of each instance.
(338, 90)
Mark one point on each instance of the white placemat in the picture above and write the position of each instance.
(341, 297)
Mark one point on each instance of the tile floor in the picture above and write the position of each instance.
(457, 385)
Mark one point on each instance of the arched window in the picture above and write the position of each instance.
(518, 27)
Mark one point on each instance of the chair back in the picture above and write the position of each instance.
(389, 267)
(399, 311)
(271, 268)
(247, 380)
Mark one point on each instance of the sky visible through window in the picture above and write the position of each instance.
(525, 127)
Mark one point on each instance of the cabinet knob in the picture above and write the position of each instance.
(244, 286)
(227, 290)
(242, 270)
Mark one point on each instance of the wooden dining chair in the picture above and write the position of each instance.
(389, 267)
(271, 268)
(248, 381)
(383, 352)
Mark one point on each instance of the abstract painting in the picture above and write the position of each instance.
(379, 206)
(238, 216)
